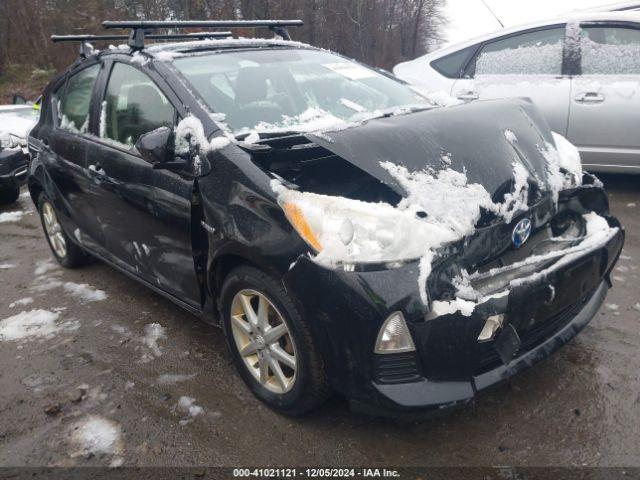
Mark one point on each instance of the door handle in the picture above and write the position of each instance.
(97, 168)
(590, 97)
(468, 96)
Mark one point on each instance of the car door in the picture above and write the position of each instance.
(65, 150)
(526, 64)
(145, 212)
(605, 97)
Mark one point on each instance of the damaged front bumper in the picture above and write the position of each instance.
(346, 310)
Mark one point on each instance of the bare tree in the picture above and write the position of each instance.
(378, 32)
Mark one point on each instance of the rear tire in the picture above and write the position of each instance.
(9, 191)
(65, 251)
(301, 384)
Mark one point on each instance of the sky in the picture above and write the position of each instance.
(470, 18)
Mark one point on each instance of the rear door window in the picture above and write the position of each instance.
(610, 50)
(532, 53)
(75, 102)
(133, 106)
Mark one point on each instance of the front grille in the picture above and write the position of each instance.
(397, 368)
(531, 338)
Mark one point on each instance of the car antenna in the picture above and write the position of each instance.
(492, 13)
(140, 28)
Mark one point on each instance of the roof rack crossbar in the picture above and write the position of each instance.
(139, 27)
(177, 36)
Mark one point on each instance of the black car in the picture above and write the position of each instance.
(347, 234)
(15, 120)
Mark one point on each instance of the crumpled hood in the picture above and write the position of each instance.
(477, 138)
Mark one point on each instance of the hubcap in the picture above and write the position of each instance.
(264, 341)
(54, 230)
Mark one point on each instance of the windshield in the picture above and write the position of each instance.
(293, 89)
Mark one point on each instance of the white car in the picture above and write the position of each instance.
(582, 71)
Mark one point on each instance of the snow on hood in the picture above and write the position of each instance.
(17, 125)
(443, 195)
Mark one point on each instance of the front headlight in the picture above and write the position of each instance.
(345, 231)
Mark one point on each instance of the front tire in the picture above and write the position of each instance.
(67, 253)
(271, 346)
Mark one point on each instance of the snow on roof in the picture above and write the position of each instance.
(215, 43)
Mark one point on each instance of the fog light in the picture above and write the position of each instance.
(394, 336)
(490, 328)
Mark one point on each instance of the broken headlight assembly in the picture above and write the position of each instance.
(345, 231)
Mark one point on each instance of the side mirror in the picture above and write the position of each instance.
(19, 100)
(156, 146)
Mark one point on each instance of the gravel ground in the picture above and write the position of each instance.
(111, 373)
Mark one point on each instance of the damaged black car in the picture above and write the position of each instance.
(348, 233)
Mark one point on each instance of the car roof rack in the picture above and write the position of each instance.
(86, 48)
(140, 28)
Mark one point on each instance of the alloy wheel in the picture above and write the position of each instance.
(53, 230)
(264, 341)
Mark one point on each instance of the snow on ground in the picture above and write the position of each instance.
(44, 266)
(7, 217)
(34, 324)
(152, 333)
(97, 436)
(84, 292)
(631, 205)
(45, 284)
(6, 266)
(173, 378)
(188, 406)
(22, 301)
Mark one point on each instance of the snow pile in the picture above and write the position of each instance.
(532, 60)
(190, 134)
(139, 58)
(7, 217)
(33, 324)
(44, 266)
(313, 119)
(97, 436)
(21, 302)
(167, 56)
(188, 406)
(569, 156)
(439, 97)
(84, 292)
(152, 333)
(562, 156)
(190, 138)
(518, 200)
